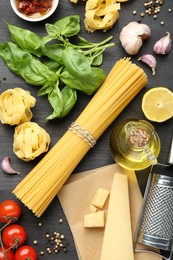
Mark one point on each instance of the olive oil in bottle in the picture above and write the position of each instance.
(134, 144)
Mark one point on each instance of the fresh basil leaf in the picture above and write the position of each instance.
(87, 85)
(53, 31)
(55, 98)
(96, 59)
(69, 26)
(25, 39)
(54, 52)
(46, 89)
(52, 65)
(61, 101)
(26, 66)
(37, 73)
(76, 63)
(70, 98)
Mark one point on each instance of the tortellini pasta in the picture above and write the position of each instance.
(101, 14)
(30, 140)
(15, 106)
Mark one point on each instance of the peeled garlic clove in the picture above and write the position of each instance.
(150, 61)
(163, 46)
(6, 166)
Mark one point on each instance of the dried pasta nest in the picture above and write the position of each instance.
(101, 14)
(15, 106)
(30, 140)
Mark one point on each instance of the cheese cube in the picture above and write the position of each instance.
(100, 198)
(94, 220)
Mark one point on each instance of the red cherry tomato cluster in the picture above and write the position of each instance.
(13, 236)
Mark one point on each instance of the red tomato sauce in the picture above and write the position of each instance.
(31, 7)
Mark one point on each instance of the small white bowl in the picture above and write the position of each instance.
(35, 18)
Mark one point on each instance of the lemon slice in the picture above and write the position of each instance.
(157, 104)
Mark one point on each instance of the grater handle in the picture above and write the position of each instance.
(170, 156)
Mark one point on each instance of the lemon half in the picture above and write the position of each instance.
(157, 104)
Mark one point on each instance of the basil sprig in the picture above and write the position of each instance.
(67, 67)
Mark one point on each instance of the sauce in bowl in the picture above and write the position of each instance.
(34, 7)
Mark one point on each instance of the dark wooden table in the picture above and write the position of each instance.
(100, 154)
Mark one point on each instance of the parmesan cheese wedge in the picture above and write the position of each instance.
(117, 240)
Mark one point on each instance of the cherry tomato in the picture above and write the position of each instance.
(9, 254)
(9, 211)
(25, 252)
(13, 235)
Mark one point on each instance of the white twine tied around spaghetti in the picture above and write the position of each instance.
(82, 133)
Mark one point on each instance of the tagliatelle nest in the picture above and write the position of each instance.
(101, 14)
(15, 106)
(30, 140)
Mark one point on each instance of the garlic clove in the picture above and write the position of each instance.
(6, 166)
(164, 45)
(150, 61)
(144, 31)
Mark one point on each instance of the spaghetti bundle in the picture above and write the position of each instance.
(42, 184)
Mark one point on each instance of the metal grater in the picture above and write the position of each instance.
(155, 227)
(157, 224)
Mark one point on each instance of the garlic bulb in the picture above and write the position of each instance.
(132, 36)
(164, 45)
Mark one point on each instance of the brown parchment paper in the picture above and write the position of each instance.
(75, 198)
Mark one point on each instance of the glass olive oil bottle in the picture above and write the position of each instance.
(134, 144)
